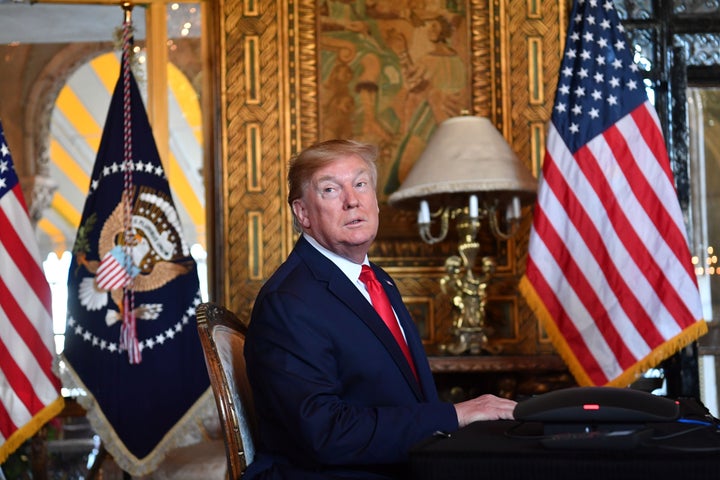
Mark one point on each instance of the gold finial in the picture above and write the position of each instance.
(127, 9)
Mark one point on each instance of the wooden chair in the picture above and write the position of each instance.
(222, 336)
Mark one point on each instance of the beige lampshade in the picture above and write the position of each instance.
(465, 155)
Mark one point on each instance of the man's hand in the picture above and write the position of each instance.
(484, 407)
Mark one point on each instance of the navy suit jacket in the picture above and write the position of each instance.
(333, 392)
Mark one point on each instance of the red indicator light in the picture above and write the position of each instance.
(591, 406)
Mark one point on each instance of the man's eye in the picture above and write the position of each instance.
(361, 184)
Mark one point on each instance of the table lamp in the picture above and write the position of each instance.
(467, 173)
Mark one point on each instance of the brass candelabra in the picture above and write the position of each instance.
(466, 288)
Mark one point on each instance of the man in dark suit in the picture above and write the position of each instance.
(334, 393)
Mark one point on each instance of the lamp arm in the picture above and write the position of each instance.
(495, 225)
(424, 228)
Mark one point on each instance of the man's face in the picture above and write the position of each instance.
(339, 208)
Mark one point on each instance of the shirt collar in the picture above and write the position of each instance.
(349, 268)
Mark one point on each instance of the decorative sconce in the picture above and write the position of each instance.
(467, 173)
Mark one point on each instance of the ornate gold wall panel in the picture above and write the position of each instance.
(254, 139)
(271, 104)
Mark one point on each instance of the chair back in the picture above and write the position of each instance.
(222, 336)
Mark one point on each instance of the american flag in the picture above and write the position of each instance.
(29, 390)
(609, 272)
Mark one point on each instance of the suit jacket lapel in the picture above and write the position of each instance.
(340, 286)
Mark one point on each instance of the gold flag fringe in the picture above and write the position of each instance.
(183, 433)
(31, 428)
(654, 358)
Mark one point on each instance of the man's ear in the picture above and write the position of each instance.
(300, 213)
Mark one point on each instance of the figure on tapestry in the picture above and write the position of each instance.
(389, 73)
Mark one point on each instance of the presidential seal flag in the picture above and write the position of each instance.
(29, 389)
(609, 270)
(131, 342)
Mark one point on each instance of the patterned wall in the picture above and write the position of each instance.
(269, 66)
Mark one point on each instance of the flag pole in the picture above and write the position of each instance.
(128, 331)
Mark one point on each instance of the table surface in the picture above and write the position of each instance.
(514, 450)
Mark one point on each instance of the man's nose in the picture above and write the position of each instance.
(351, 198)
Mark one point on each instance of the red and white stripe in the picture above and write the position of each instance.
(29, 390)
(608, 254)
(111, 274)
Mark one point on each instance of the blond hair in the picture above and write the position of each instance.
(304, 165)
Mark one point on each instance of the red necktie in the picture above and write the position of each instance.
(380, 301)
